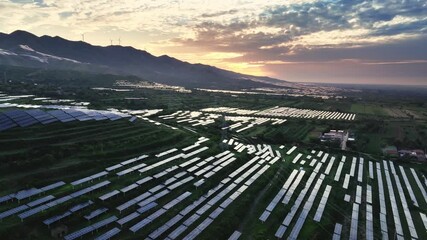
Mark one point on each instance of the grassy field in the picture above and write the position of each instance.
(369, 109)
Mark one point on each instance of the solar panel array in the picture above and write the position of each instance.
(240, 123)
(285, 112)
(166, 185)
(24, 118)
(358, 193)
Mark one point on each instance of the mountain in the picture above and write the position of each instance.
(22, 48)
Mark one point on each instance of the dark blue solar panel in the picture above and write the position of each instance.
(19, 117)
(12, 124)
(7, 126)
(14, 113)
(5, 120)
(92, 113)
(100, 117)
(24, 118)
(62, 116)
(67, 120)
(84, 118)
(50, 120)
(74, 113)
(44, 118)
(117, 117)
(36, 112)
(27, 122)
(56, 112)
(39, 115)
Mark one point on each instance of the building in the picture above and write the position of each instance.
(333, 135)
(415, 154)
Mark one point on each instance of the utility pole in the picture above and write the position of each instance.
(111, 42)
(119, 41)
(83, 37)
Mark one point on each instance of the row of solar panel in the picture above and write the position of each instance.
(25, 118)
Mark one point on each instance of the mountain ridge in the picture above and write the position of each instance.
(59, 53)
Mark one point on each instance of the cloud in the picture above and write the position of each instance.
(255, 34)
(217, 14)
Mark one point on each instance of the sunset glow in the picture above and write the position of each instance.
(277, 38)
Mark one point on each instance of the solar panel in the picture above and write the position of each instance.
(191, 219)
(36, 112)
(83, 118)
(129, 188)
(109, 234)
(52, 186)
(61, 115)
(33, 211)
(40, 201)
(177, 232)
(80, 181)
(216, 213)
(27, 193)
(104, 222)
(80, 206)
(99, 117)
(6, 198)
(264, 216)
(109, 195)
(280, 231)
(157, 214)
(174, 220)
(74, 113)
(7, 120)
(199, 228)
(236, 235)
(56, 218)
(146, 207)
(6, 126)
(49, 120)
(144, 180)
(139, 225)
(59, 201)
(114, 167)
(79, 233)
(128, 218)
(95, 213)
(159, 231)
(408, 186)
(13, 211)
(26, 121)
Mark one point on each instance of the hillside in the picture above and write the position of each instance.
(21, 48)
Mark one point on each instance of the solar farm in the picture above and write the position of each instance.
(286, 112)
(78, 172)
(189, 192)
(25, 118)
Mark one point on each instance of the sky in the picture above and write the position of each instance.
(342, 41)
